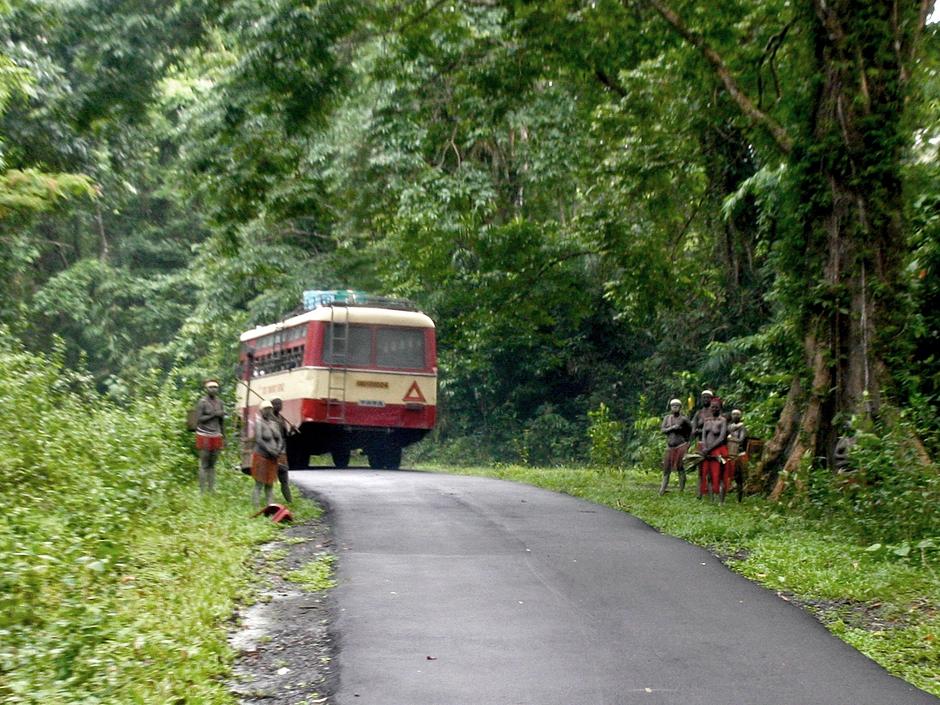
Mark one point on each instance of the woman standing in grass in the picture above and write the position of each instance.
(269, 444)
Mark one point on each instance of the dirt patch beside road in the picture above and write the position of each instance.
(283, 642)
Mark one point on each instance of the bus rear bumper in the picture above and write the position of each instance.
(351, 414)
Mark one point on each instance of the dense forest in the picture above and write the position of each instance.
(603, 204)
(599, 202)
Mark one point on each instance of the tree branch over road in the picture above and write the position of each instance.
(747, 106)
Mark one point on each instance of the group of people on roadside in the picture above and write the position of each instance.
(718, 442)
(268, 445)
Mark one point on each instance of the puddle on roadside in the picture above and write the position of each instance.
(256, 623)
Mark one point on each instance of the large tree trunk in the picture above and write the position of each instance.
(849, 258)
(841, 262)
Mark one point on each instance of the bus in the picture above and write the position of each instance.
(354, 372)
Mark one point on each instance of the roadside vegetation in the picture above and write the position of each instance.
(603, 205)
(883, 601)
(116, 576)
(316, 575)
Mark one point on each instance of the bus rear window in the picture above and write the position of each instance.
(358, 349)
(400, 348)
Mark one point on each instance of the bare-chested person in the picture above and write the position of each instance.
(698, 418)
(210, 419)
(714, 449)
(737, 458)
(287, 429)
(677, 428)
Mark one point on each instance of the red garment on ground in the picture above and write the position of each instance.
(712, 469)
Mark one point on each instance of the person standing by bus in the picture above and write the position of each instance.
(210, 418)
(287, 429)
(268, 447)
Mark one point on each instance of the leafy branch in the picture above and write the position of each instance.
(779, 134)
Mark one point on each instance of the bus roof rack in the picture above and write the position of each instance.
(316, 298)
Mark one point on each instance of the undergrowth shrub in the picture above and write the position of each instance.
(458, 451)
(606, 436)
(646, 444)
(548, 439)
(100, 532)
(889, 497)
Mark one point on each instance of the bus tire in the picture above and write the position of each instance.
(376, 459)
(340, 457)
(385, 458)
(298, 457)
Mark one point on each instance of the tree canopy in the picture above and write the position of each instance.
(616, 201)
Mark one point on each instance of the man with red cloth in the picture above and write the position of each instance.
(210, 415)
(714, 448)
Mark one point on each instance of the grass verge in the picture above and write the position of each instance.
(886, 607)
(316, 575)
(169, 609)
(153, 627)
(116, 576)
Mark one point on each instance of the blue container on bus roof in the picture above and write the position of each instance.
(314, 298)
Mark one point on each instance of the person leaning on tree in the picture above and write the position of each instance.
(677, 428)
(210, 419)
(737, 457)
(269, 444)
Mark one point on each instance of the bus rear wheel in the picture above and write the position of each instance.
(298, 456)
(340, 457)
(393, 458)
(385, 458)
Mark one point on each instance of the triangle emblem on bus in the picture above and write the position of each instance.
(414, 393)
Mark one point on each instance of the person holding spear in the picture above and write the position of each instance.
(287, 429)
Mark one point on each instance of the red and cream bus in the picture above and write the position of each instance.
(357, 374)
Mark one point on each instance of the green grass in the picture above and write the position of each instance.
(150, 625)
(155, 623)
(885, 606)
(117, 578)
(168, 636)
(315, 575)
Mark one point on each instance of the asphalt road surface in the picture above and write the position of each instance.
(472, 591)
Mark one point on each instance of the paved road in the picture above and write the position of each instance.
(471, 591)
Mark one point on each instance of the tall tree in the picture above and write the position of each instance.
(106, 275)
(841, 262)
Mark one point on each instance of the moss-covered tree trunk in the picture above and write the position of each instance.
(847, 259)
